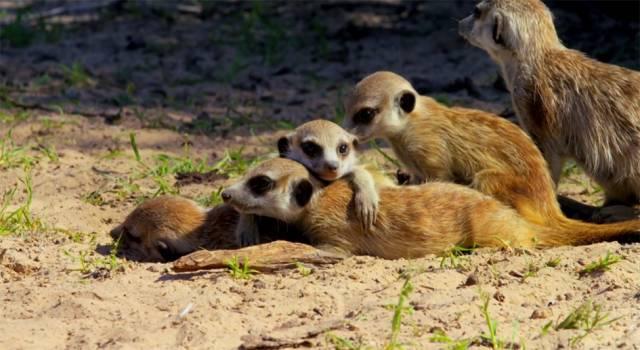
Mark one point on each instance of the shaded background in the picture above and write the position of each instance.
(216, 67)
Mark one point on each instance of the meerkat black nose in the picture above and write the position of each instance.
(225, 196)
(333, 166)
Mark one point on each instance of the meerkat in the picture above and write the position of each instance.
(412, 220)
(571, 105)
(168, 227)
(330, 153)
(466, 146)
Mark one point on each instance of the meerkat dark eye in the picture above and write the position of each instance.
(311, 149)
(477, 12)
(259, 185)
(364, 116)
(343, 149)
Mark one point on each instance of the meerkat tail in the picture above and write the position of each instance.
(573, 232)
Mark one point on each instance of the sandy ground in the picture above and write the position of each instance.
(61, 288)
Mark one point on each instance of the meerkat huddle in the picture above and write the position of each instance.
(477, 180)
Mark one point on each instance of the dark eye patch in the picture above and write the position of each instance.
(311, 149)
(364, 116)
(261, 184)
(166, 251)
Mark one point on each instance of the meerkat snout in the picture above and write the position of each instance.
(332, 165)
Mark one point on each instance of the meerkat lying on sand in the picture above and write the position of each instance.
(168, 227)
(330, 153)
(412, 220)
(571, 105)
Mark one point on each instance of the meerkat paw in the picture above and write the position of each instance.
(366, 209)
(247, 232)
(247, 239)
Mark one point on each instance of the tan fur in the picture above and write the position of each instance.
(413, 220)
(179, 223)
(572, 106)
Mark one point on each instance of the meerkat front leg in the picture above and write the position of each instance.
(365, 196)
(247, 230)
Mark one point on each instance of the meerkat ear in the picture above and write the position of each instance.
(283, 146)
(303, 192)
(498, 27)
(407, 101)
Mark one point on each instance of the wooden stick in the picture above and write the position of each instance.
(263, 257)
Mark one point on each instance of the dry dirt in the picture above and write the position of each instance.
(197, 87)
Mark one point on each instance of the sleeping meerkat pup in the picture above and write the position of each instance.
(571, 105)
(412, 220)
(168, 227)
(330, 153)
(460, 145)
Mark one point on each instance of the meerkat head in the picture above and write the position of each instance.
(326, 149)
(159, 229)
(278, 188)
(510, 27)
(379, 105)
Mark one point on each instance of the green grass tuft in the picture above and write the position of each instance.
(601, 265)
(399, 310)
(588, 317)
(240, 270)
(19, 221)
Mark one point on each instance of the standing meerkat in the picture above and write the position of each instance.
(460, 145)
(167, 227)
(571, 105)
(329, 152)
(412, 220)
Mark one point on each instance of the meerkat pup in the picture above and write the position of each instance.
(330, 153)
(572, 106)
(460, 145)
(168, 227)
(412, 220)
